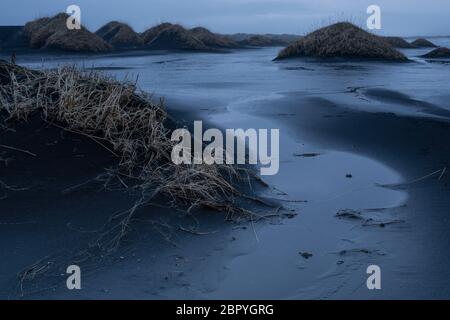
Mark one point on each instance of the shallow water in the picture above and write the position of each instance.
(245, 89)
(246, 75)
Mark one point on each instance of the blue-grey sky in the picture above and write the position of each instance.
(399, 17)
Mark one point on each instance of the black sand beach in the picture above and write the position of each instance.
(376, 139)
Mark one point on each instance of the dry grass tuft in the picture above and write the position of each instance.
(342, 40)
(127, 124)
(52, 33)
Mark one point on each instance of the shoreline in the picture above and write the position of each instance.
(414, 147)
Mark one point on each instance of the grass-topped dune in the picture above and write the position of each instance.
(168, 36)
(342, 40)
(398, 42)
(148, 35)
(131, 127)
(213, 40)
(176, 37)
(119, 35)
(423, 43)
(52, 33)
(262, 41)
(441, 52)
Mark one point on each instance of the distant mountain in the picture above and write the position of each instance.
(423, 43)
(262, 41)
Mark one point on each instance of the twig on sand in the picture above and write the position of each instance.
(441, 171)
(371, 222)
(287, 200)
(166, 235)
(442, 174)
(30, 273)
(8, 187)
(16, 223)
(73, 188)
(18, 149)
(194, 232)
(360, 251)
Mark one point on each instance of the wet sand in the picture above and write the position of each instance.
(362, 136)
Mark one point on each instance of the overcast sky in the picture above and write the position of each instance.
(399, 17)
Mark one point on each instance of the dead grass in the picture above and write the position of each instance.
(342, 40)
(130, 126)
(134, 129)
(52, 33)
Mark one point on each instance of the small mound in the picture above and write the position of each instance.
(438, 53)
(262, 41)
(175, 37)
(423, 43)
(52, 33)
(398, 42)
(119, 35)
(342, 40)
(213, 40)
(150, 34)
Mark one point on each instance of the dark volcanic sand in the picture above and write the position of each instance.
(368, 123)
